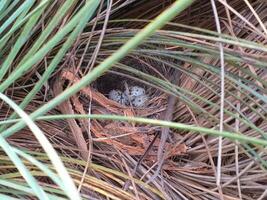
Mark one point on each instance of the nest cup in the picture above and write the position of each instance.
(111, 81)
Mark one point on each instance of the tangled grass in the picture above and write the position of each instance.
(52, 50)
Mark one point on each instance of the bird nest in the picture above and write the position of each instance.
(126, 137)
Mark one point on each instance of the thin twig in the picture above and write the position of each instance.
(219, 161)
(165, 130)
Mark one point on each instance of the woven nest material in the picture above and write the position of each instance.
(189, 170)
(130, 138)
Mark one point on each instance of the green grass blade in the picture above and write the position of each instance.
(3, 5)
(25, 190)
(164, 17)
(47, 31)
(23, 20)
(47, 47)
(70, 188)
(52, 66)
(22, 169)
(26, 33)
(54, 177)
(230, 135)
(8, 9)
(2, 196)
(26, 5)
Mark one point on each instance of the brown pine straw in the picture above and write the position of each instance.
(188, 172)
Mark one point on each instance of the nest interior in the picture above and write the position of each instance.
(113, 81)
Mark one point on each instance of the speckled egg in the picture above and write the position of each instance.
(118, 96)
(135, 91)
(139, 101)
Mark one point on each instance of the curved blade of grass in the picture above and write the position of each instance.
(99, 168)
(230, 76)
(8, 9)
(102, 169)
(6, 37)
(174, 38)
(234, 60)
(50, 188)
(160, 21)
(255, 155)
(22, 188)
(41, 166)
(230, 135)
(2, 196)
(233, 80)
(250, 45)
(3, 5)
(25, 6)
(16, 160)
(23, 20)
(48, 46)
(183, 95)
(48, 30)
(70, 188)
(21, 40)
(75, 173)
(193, 61)
(162, 39)
(54, 63)
(195, 29)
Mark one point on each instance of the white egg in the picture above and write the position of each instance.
(134, 94)
(118, 96)
(114, 95)
(139, 101)
(134, 91)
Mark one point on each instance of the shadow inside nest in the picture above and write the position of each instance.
(129, 138)
(113, 81)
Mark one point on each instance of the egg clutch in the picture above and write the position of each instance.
(134, 95)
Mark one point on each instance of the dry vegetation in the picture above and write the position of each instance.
(115, 147)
